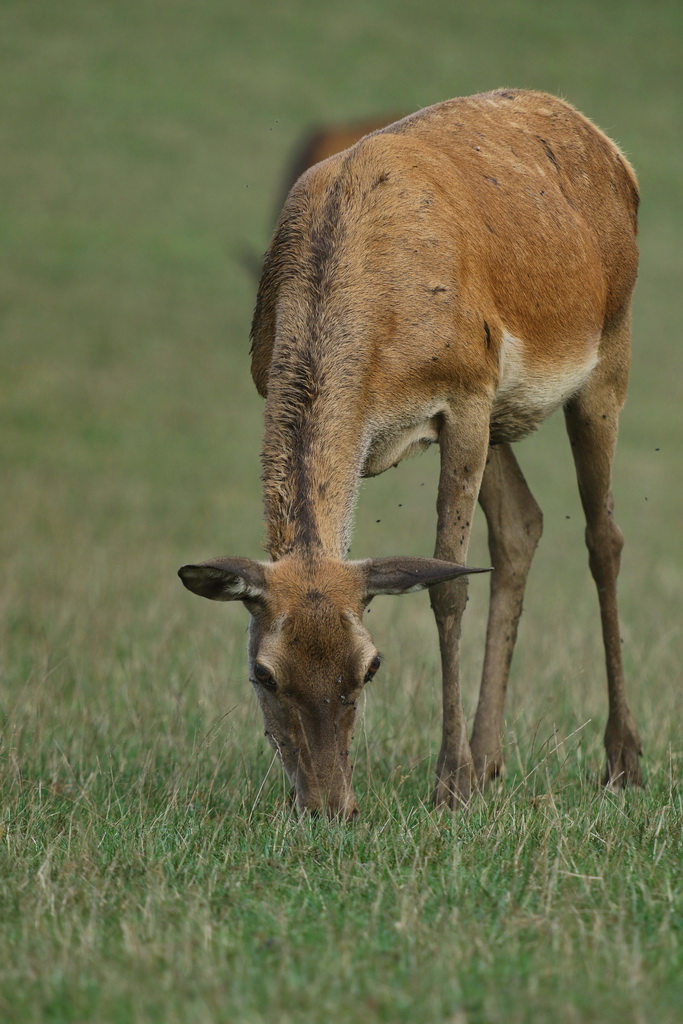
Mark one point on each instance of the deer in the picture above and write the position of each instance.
(453, 279)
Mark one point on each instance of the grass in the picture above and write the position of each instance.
(150, 869)
(548, 901)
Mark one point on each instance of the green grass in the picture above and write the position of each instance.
(150, 869)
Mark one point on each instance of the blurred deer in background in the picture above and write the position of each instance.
(317, 144)
(324, 141)
(452, 278)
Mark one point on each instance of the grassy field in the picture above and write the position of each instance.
(150, 870)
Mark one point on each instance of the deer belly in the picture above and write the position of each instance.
(526, 395)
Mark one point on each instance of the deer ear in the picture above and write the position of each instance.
(225, 579)
(405, 575)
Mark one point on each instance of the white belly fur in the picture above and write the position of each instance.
(525, 397)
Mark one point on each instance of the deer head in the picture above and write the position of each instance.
(310, 654)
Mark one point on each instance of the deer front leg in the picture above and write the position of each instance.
(464, 445)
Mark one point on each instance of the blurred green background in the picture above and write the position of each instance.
(143, 145)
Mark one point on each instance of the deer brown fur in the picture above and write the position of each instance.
(452, 278)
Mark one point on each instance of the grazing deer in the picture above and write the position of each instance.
(452, 278)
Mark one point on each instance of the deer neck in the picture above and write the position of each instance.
(313, 450)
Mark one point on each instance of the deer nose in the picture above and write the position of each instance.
(346, 809)
(333, 809)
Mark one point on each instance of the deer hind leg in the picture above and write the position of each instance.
(592, 424)
(463, 446)
(515, 524)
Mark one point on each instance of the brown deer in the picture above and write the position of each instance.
(452, 278)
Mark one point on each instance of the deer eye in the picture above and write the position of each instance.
(372, 668)
(264, 676)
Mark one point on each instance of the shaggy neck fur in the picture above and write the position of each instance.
(313, 447)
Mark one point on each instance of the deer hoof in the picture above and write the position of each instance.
(454, 788)
(623, 758)
(488, 768)
(623, 768)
